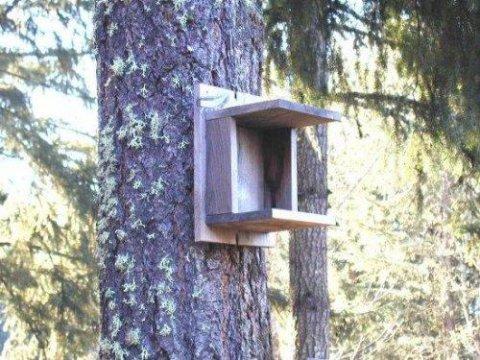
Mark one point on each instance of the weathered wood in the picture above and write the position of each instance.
(294, 170)
(222, 169)
(203, 233)
(207, 178)
(246, 238)
(277, 113)
(248, 166)
(215, 98)
(250, 170)
(269, 220)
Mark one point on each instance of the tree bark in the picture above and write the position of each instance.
(3, 333)
(161, 295)
(308, 252)
(308, 39)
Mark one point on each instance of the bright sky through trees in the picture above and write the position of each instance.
(407, 245)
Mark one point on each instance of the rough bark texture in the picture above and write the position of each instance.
(308, 248)
(308, 252)
(163, 296)
(3, 334)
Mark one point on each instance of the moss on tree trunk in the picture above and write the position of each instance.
(162, 295)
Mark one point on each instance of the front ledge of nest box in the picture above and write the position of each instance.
(245, 176)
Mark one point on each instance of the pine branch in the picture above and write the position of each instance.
(45, 54)
(9, 8)
(76, 186)
(53, 85)
(379, 98)
(365, 34)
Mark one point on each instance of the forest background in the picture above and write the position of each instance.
(403, 177)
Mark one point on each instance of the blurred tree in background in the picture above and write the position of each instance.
(47, 272)
(308, 39)
(404, 279)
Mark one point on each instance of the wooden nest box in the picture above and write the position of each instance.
(245, 151)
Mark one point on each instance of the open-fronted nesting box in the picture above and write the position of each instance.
(246, 166)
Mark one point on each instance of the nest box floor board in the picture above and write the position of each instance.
(269, 220)
(278, 113)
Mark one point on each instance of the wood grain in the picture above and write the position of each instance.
(269, 220)
(221, 194)
(246, 167)
(204, 233)
(294, 173)
(210, 96)
(276, 114)
(245, 238)
(250, 170)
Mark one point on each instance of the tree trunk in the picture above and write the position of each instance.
(308, 249)
(163, 296)
(3, 333)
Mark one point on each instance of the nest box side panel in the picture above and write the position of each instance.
(251, 183)
(221, 194)
(293, 171)
(208, 98)
(203, 233)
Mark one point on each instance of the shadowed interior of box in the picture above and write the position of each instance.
(264, 178)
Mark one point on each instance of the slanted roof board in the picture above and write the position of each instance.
(275, 114)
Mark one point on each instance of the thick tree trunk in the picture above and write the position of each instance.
(308, 248)
(163, 296)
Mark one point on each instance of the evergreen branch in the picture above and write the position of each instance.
(34, 329)
(56, 253)
(9, 8)
(348, 10)
(45, 54)
(365, 34)
(47, 251)
(77, 132)
(76, 186)
(379, 98)
(278, 299)
(53, 85)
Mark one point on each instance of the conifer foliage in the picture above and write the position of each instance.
(47, 272)
(403, 282)
(432, 45)
(404, 271)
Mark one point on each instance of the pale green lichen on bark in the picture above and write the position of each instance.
(149, 195)
(124, 263)
(133, 337)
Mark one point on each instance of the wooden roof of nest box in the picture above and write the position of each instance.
(245, 153)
